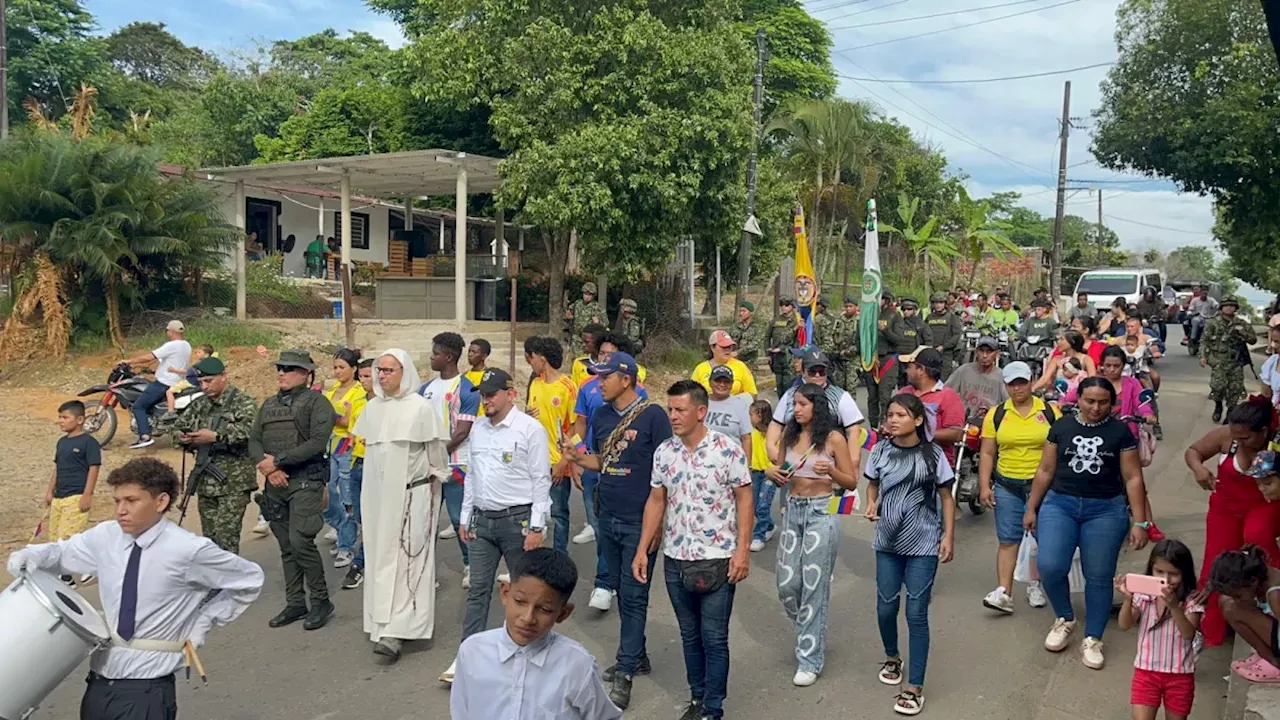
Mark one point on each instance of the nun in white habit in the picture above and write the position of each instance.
(404, 461)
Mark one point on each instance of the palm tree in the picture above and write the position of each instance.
(922, 242)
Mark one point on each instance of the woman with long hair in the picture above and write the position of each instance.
(816, 457)
(1071, 347)
(348, 398)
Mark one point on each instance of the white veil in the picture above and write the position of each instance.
(405, 417)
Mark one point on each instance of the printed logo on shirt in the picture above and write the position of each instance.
(556, 401)
(1041, 418)
(507, 457)
(75, 451)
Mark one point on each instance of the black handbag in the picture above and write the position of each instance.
(703, 577)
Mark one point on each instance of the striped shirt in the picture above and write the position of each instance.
(909, 523)
(1161, 648)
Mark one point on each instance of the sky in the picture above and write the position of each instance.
(1003, 135)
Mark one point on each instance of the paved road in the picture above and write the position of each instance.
(981, 666)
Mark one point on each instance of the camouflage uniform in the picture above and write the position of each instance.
(824, 329)
(631, 327)
(748, 336)
(1224, 345)
(848, 363)
(222, 505)
(585, 313)
(783, 336)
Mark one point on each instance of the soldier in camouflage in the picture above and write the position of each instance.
(747, 334)
(783, 337)
(221, 418)
(629, 325)
(848, 365)
(1225, 349)
(824, 327)
(584, 312)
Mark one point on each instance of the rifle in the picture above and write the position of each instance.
(204, 465)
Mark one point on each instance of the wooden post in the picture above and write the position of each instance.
(345, 266)
(241, 293)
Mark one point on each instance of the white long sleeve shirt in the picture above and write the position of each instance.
(554, 677)
(177, 570)
(509, 465)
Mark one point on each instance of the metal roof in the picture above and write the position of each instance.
(388, 175)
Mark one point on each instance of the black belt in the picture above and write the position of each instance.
(417, 483)
(505, 512)
(128, 683)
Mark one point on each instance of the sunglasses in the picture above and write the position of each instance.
(289, 368)
(816, 372)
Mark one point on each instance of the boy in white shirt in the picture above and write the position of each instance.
(539, 673)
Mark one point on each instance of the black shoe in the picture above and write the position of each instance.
(288, 616)
(354, 578)
(620, 692)
(68, 579)
(693, 711)
(1157, 431)
(1217, 411)
(643, 668)
(319, 615)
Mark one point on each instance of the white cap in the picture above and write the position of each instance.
(1016, 371)
(175, 326)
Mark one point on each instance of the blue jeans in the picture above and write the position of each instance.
(762, 492)
(354, 485)
(496, 538)
(619, 541)
(704, 633)
(916, 572)
(560, 515)
(151, 396)
(335, 512)
(452, 492)
(1011, 504)
(806, 556)
(589, 482)
(1098, 527)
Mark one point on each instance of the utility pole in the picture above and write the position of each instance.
(4, 75)
(1055, 263)
(752, 226)
(1100, 245)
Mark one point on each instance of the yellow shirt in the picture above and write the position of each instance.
(474, 377)
(358, 453)
(759, 453)
(348, 406)
(553, 403)
(1020, 440)
(743, 380)
(581, 376)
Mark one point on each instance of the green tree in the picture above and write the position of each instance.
(150, 54)
(51, 51)
(976, 234)
(924, 243)
(356, 119)
(799, 61)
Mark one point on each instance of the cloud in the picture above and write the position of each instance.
(386, 31)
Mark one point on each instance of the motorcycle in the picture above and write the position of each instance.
(122, 389)
(1034, 354)
(971, 335)
(1002, 339)
(967, 453)
(1193, 329)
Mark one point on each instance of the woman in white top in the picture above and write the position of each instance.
(1270, 372)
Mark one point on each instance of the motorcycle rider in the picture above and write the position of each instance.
(1039, 325)
(1225, 349)
(947, 332)
(881, 381)
(979, 311)
(979, 383)
(1200, 310)
(1152, 309)
(1002, 318)
(174, 353)
(1082, 308)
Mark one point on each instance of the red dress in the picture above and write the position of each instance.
(1238, 515)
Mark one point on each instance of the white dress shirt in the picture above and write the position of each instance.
(510, 465)
(176, 571)
(554, 677)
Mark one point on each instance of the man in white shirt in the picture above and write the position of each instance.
(161, 587)
(706, 551)
(814, 365)
(525, 670)
(175, 353)
(507, 495)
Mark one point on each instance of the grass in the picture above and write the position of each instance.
(678, 357)
(218, 333)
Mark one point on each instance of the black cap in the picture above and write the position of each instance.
(1041, 303)
(812, 357)
(493, 380)
(787, 301)
(886, 295)
(928, 358)
(722, 372)
(295, 357)
(209, 367)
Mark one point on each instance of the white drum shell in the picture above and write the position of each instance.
(46, 631)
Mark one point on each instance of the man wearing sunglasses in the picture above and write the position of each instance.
(814, 367)
(220, 419)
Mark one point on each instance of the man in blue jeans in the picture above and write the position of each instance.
(625, 431)
(707, 552)
(171, 361)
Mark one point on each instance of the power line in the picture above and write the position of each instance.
(1118, 181)
(961, 27)
(1158, 227)
(835, 5)
(928, 17)
(861, 12)
(1082, 162)
(981, 80)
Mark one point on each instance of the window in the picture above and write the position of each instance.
(359, 229)
(1153, 280)
(1108, 284)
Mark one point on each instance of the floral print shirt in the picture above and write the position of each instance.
(702, 515)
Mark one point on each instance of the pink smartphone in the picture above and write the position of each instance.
(1144, 584)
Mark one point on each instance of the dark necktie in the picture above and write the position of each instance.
(129, 596)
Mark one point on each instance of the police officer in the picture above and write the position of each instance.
(824, 327)
(747, 333)
(584, 312)
(783, 338)
(1225, 349)
(630, 325)
(905, 334)
(886, 372)
(288, 443)
(947, 331)
(222, 419)
(848, 365)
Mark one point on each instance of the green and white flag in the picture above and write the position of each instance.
(872, 284)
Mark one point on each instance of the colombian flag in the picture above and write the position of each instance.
(846, 504)
(806, 283)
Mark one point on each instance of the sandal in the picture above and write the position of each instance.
(908, 702)
(891, 672)
(1250, 661)
(1262, 672)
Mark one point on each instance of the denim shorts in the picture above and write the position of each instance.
(1011, 505)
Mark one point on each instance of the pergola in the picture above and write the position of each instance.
(389, 175)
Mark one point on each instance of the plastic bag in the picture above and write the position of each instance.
(1026, 570)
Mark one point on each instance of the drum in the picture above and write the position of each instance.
(46, 631)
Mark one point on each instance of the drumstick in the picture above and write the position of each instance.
(195, 660)
(39, 526)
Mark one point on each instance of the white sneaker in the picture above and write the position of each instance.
(262, 528)
(333, 551)
(1056, 640)
(1091, 653)
(804, 678)
(999, 601)
(587, 535)
(331, 535)
(601, 600)
(504, 578)
(86, 580)
(447, 675)
(343, 559)
(448, 533)
(757, 544)
(141, 443)
(769, 535)
(1035, 595)
(466, 577)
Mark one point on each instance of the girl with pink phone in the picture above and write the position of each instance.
(1166, 608)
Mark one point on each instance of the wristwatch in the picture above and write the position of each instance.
(536, 529)
(1145, 525)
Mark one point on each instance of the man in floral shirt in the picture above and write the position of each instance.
(702, 487)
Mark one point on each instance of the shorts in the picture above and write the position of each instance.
(65, 518)
(1010, 506)
(1175, 691)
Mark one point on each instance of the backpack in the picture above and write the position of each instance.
(1002, 409)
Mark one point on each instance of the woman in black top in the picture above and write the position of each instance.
(1089, 478)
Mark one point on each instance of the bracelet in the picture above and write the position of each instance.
(1145, 525)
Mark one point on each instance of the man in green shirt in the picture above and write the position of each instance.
(315, 257)
(1001, 317)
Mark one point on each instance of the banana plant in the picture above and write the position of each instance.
(923, 242)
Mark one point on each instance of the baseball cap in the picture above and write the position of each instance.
(1016, 371)
(722, 339)
(986, 341)
(811, 357)
(209, 367)
(1263, 466)
(929, 358)
(175, 326)
(493, 380)
(616, 362)
(722, 372)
